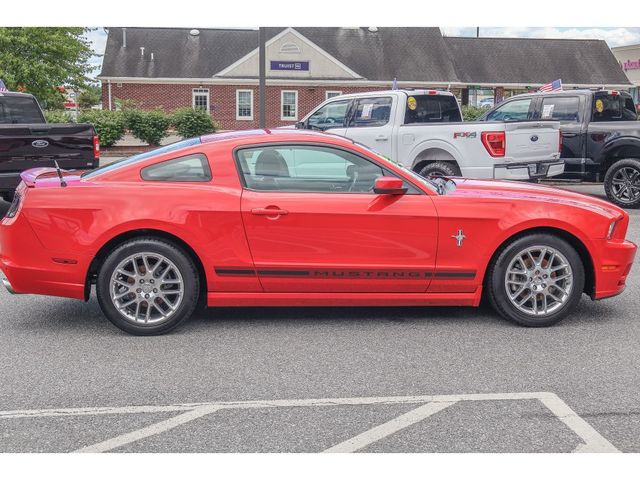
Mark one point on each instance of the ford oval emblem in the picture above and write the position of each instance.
(534, 138)
(40, 143)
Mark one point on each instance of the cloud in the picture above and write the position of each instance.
(615, 36)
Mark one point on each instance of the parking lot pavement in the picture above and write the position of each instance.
(165, 393)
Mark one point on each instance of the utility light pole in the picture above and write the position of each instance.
(262, 89)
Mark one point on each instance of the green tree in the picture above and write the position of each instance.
(90, 96)
(39, 59)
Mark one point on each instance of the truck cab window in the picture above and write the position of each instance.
(514, 111)
(330, 116)
(432, 108)
(20, 110)
(371, 112)
(563, 109)
(608, 107)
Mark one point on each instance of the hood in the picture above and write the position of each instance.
(504, 189)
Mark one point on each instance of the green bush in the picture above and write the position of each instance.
(58, 116)
(192, 123)
(109, 125)
(470, 113)
(150, 127)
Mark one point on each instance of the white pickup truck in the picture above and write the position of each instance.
(423, 130)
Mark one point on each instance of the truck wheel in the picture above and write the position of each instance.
(536, 280)
(440, 169)
(622, 183)
(147, 286)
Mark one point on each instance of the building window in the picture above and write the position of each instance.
(289, 48)
(331, 93)
(244, 104)
(201, 99)
(289, 105)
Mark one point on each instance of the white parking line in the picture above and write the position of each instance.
(381, 431)
(593, 441)
(145, 432)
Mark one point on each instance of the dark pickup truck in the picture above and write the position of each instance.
(600, 136)
(27, 141)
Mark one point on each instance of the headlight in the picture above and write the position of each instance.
(612, 229)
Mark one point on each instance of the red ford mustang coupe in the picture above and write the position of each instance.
(266, 218)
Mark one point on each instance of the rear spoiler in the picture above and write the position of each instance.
(30, 176)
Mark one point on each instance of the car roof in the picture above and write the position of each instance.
(271, 135)
(567, 92)
(407, 92)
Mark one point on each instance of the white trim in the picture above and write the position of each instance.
(282, 117)
(200, 91)
(279, 36)
(341, 82)
(238, 92)
(335, 92)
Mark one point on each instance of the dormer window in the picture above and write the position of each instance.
(289, 48)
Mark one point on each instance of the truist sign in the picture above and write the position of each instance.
(630, 65)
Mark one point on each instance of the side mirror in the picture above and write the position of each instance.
(389, 186)
(300, 125)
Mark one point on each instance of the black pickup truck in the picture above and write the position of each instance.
(600, 136)
(27, 141)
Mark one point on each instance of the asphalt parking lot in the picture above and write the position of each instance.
(322, 379)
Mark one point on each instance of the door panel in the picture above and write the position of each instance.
(341, 242)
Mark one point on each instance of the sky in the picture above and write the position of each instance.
(614, 36)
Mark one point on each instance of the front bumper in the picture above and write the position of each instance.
(613, 268)
(528, 171)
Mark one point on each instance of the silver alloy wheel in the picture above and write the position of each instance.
(539, 280)
(146, 288)
(626, 185)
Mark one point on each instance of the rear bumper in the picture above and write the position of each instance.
(30, 268)
(528, 171)
(614, 268)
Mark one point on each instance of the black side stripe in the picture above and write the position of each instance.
(346, 274)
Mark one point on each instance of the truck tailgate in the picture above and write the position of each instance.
(529, 142)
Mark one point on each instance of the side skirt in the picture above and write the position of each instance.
(235, 299)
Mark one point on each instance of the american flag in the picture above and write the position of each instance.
(3, 87)
(554, 86)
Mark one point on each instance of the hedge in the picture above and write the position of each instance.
(470, 113)
(193, 123)
(58, 116)
(150, 127)
(109, 125)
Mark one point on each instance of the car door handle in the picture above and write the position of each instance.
(569, 135)
(382, 138)
(269, 211)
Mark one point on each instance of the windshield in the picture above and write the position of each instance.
(20, 110)
(414, 176)
(142, 156)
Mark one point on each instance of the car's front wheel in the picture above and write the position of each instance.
(536, 280)
(622, 183)
(147, 286)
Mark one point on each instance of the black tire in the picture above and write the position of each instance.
(440, 169)
(628, 164)
(183, 263)
(497, 271)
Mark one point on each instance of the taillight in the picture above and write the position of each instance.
(96, 147)
(15, 205)
(560, 141)
(495, 143)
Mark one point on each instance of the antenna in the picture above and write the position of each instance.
(62, 182)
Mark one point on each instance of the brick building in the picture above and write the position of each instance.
(217, 69)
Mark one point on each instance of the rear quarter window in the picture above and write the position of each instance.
(190, 168)
(431, 109)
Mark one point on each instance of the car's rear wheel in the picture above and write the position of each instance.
(622, 183)
(147, 286)
(536, 280)
(440, 169)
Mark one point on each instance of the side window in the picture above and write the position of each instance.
(331, 115)
(371, 112)
(432, 108)
(307, 168)
(609, 107)
(563, 109)
(629, 110)
(513, 111)
(192, 168)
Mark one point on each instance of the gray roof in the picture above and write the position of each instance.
(419, 54)
(534, 60)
